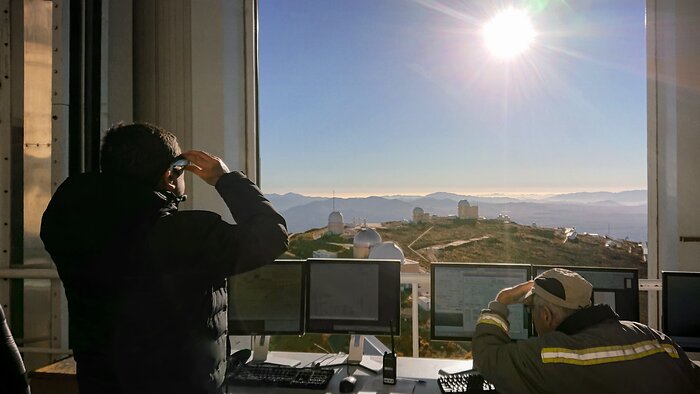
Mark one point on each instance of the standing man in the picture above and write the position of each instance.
(580, 348)
(146, 283)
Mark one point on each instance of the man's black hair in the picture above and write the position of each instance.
(140, 151)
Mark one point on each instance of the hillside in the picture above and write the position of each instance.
(612, 216)
(449, 239)
(492, 242)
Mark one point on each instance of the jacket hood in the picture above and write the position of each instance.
(90, 212)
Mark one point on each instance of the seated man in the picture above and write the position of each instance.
(146, 283)
(13, 376)
(580, 348)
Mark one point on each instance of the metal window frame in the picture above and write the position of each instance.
(5, 150)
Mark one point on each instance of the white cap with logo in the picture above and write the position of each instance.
(563, 288)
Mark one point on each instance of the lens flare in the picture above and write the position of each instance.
(509, 33)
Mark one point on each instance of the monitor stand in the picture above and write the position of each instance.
(357, 344)
(261, 347)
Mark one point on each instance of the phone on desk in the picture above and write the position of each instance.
(389, 362)
(389, 368)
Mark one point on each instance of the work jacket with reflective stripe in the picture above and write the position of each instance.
(592, 351)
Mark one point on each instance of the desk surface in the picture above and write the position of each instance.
(60, 377)
(409, 372)
(56, 378)
(53, 378)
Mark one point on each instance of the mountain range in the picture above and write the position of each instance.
(618, 214)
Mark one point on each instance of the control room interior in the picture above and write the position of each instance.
(71, 68)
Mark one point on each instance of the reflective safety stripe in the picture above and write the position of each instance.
(492, 318)
(606, 354)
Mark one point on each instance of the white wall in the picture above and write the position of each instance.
(219, 102)
(674, 134)
(192, 75)
(673, 67)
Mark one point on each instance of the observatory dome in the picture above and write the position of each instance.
(387, 250)
(335, 223)
(335, 217)
(363, 242)
(466, 211)
(418, 214)
(367, 237)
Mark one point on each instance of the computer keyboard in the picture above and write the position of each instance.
(279, 376)
(465, 383)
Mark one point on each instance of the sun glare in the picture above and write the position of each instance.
(509, 33)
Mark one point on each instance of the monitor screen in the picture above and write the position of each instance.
(268, 300)
(681, 308)
(616, 287)
(353, 296)
(459, 291)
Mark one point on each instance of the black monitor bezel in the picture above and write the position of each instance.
(664, 307)
(233, 328)
(635, 279)
(433, 266)
(386, 289)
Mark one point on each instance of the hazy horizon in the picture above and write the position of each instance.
(475, 194)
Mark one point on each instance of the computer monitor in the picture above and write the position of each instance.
(459, 291)
(268, 300)
(616, 287)
(681, 308)
(353, 296)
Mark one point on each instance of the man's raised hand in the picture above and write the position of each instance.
(515, 294)
(205, 165)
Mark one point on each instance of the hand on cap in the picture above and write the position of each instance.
(515, 294)
(205, 165)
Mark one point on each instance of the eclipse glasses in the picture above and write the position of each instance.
(178, 165)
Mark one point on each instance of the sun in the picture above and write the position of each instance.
(509, 33)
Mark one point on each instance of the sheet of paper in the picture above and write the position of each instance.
(282, 361)
(376, 386)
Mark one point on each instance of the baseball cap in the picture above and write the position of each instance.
(563, 288)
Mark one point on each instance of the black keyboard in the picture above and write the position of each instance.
(279, 376)
(465, 383)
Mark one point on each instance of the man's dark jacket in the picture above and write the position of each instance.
(146, 284)
(13, 377)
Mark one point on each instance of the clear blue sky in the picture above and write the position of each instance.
(375, 97)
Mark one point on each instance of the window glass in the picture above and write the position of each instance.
(497, 132)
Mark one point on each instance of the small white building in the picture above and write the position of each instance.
(324, 254)
(335, 223)
(612, 243)
(424, 303)
(503, 217)
(466, 211)
(570, 234)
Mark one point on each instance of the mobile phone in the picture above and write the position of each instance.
(389, 368)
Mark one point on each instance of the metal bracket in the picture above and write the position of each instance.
(650, 285)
